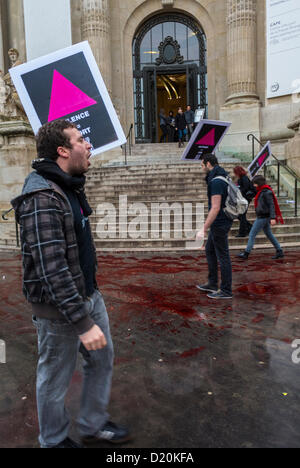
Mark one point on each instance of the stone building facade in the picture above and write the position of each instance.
(209, 53)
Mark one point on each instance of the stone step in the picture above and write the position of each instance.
(185, 199)
(160, 228)
(167, 180)
(162, 166)
(160, 159)
(286, 213)
(160, 191)
(287, 246)
(288, 221)
(176, 243)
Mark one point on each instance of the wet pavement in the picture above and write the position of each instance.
(189, 372)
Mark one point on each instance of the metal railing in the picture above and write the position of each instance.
(129, 142)
(280, 166)
(3, 216)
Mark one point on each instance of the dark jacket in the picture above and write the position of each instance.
(189, 116)
(266, 206)
(217, 187)
(247, 188)
(52, 277)
(162, 119)
(180, 121)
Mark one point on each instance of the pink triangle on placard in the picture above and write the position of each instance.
(263, 157)
(208, 139)
(66, 98)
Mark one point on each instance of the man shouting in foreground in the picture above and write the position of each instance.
(59, 280)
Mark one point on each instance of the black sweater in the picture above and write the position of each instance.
(180, 121)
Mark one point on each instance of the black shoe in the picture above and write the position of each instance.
(241, 235)
(279, 254)
(207, 287)
(68, 443)
(110, 433)
(219, 295)
(244, 255)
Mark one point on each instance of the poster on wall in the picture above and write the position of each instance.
(67, 84)
(283, 44)
(260, 160)
(206, 137)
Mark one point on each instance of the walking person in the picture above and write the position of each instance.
(163, 126)
(189, 118)
(248, 191)
(59, 281)
(268, 214)
(181, 126)
(217, 247)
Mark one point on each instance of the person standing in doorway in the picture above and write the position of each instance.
(59, 281)
(189, 118)
(163, 126)
(268, 214)
(181, 126)
(171, 127)
(217, 247)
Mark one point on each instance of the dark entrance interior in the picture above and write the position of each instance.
(169, 71)
(168, 89)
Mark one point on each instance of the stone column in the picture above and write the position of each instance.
(16, 27)
(241, 51)
(95, 28)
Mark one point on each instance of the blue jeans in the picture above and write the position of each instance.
(58, 346)
(259, 225)
(217, 253)
(182, 133)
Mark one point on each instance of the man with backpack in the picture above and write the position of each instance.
(217, 248)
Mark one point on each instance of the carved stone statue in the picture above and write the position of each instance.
(12, 107)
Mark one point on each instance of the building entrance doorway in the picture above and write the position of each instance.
(169, 57)
(166, 90)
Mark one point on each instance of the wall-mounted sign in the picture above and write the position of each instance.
(67, 84)
(283, 43)
(206, 137)
(199, 114)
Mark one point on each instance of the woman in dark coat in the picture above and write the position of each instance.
(181, 126)
(248, 192)
(171, 127)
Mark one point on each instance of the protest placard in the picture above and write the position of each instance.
(206, 137)
(260, 160)
(67, 84)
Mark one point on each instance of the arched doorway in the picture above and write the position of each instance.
(169, 71)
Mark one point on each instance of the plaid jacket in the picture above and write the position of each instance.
(51, 269)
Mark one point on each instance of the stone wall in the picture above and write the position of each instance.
(17, 150)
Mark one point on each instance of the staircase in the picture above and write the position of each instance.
(156, 175)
